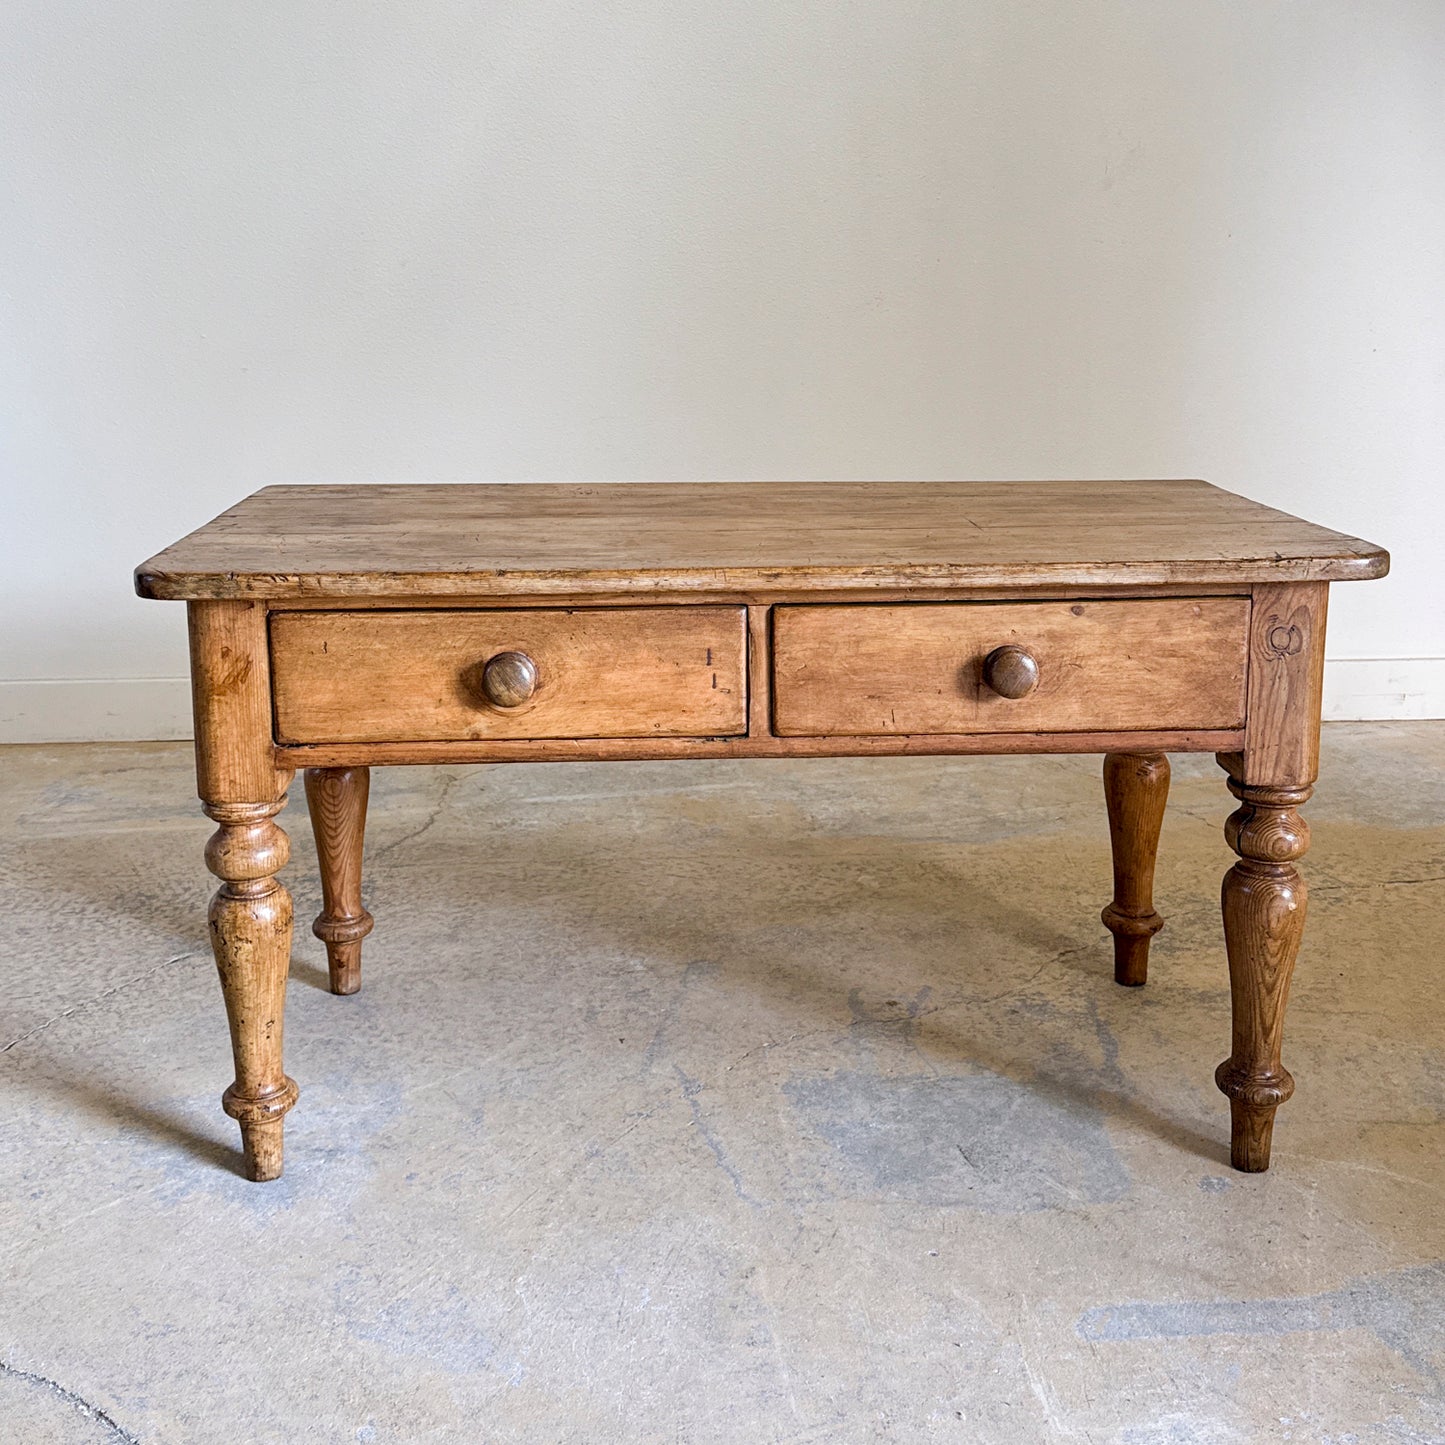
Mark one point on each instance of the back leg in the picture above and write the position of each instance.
(1136, 787)
(337, 799)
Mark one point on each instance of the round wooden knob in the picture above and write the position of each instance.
(509, 679)
(1011, 672)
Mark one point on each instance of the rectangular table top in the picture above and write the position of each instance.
(535, 539)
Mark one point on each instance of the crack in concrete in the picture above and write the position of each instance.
(692, 971)
(691, 1088)
(1382, 883)
(93, 1412)
(97, 998)
(448, 786)
(558, 1190)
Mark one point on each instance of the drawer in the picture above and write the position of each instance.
(623, 672)
(872, 670)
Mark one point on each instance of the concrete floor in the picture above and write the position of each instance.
(728, 1102)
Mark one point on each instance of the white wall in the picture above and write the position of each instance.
(559, 239)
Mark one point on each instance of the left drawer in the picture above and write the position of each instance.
(424, 676)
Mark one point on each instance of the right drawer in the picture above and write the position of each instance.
(1167, 663)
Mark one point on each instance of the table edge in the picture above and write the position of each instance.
(155, 582)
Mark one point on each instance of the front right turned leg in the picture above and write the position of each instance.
(250, 922)
(1264, 901)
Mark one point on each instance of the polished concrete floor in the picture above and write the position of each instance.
(748, 1102)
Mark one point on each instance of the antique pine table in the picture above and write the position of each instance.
(333, 628)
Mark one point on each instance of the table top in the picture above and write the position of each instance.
(538, 539)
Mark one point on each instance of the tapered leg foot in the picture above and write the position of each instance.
(1251, 1130)
(1136, 788)
(250, 921)
(263, 1124)
(337, 799)
(262, 1149)
(1264, 901)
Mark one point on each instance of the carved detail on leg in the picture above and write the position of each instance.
(1264, 900)
(337, 799)
(1136, 787)
(251, 936)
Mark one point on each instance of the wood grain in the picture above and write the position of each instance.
(1136, 788)
(602, 672)
(500, 540)
(337, 799)
(1105, 666)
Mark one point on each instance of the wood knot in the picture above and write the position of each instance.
(1283, 639)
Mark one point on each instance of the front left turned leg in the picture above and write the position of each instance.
(337, 799)
(250, 922)
(1136, 787)
(1264, 900)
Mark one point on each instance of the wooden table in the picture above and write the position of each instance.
(333, 628)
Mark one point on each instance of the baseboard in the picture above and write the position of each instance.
(144, 709)
(91, 709)
(1367, 688)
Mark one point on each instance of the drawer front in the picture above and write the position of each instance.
(584, 673)
(871, 670)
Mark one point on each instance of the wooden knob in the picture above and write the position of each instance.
(509, 679)
(1011, 672)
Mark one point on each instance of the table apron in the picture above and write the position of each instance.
(597, 750)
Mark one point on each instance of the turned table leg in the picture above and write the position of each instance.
(1263, 895)
(242, 788)
(1264, 899)
(250, 922)
(1136, 787)
(337, 800)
